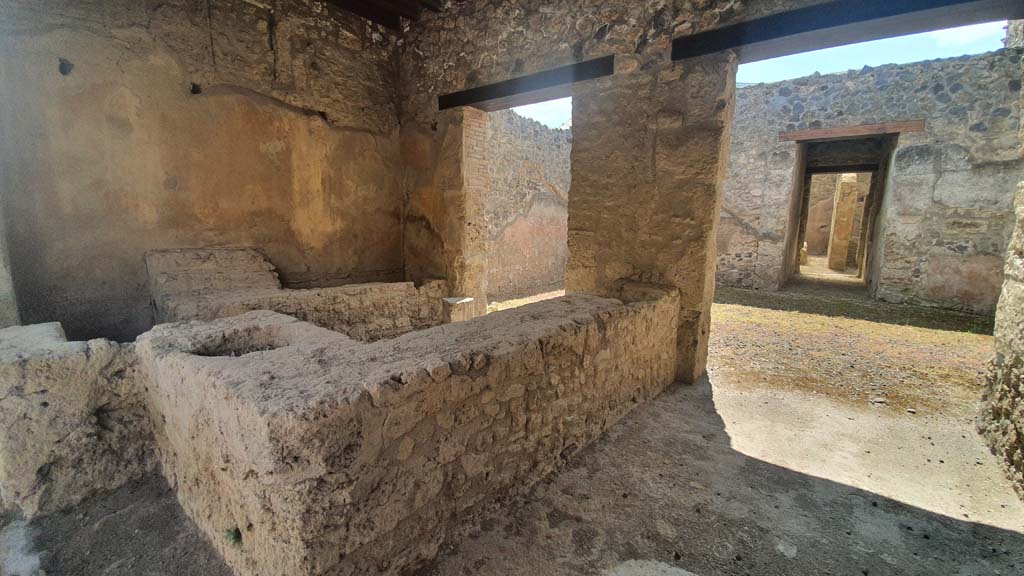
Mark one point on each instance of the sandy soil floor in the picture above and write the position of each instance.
(824, 296)
(818, 445)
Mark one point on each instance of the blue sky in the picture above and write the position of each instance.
(913, 48)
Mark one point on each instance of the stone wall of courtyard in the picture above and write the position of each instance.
(947, 209)
(526, 209)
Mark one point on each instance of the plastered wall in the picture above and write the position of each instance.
(527, 206)
(819, 213)
(132, 126)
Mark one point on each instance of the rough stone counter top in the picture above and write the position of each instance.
(300, 451)
(209, 283)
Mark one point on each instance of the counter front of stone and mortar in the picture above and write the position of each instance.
(300, 451)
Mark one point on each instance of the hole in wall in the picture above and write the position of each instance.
(195, 88)
(64, 66)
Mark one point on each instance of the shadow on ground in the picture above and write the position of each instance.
(138, 530)
(820, 296)
(663, 494)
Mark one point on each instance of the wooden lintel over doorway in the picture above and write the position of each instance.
(859, 131)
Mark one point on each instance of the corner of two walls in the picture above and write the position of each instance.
(875, 253)
(131, 127)
(445, 179)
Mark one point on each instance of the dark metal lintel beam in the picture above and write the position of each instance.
(518, 89)
(840, 22)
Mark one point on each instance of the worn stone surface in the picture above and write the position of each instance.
(191, 123)
(1002, 420)
(770, 469)
(527, 206)
(72, 423)
(819, 215)
(299, 451)
(475, 43)
(472, 43)
(647, 160)
(136, 530)
(842, 221)
(9, 315)
(447, 181)
(947, 213)
(1014, 34)
(774, 467)
(204, 284)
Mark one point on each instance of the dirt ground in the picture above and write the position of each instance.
(139, 530)
(825, 296)
(819, 445)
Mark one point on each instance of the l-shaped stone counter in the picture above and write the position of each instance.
(298, 450)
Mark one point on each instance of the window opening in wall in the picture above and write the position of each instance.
(527, 200)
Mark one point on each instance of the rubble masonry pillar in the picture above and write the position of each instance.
(649, 155)
(842, 221)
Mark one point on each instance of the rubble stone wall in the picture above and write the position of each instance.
(948, 200)
(72, 421)
(526, 206)
(1014, 34)
(471, 44)
(132, 126)
(1002, 420)
(204, 284)
(299, 451)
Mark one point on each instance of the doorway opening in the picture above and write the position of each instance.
(864, 222)
(831, 250)
(840, 195)
(526, 201)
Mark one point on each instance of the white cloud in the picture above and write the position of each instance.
(968, 34)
